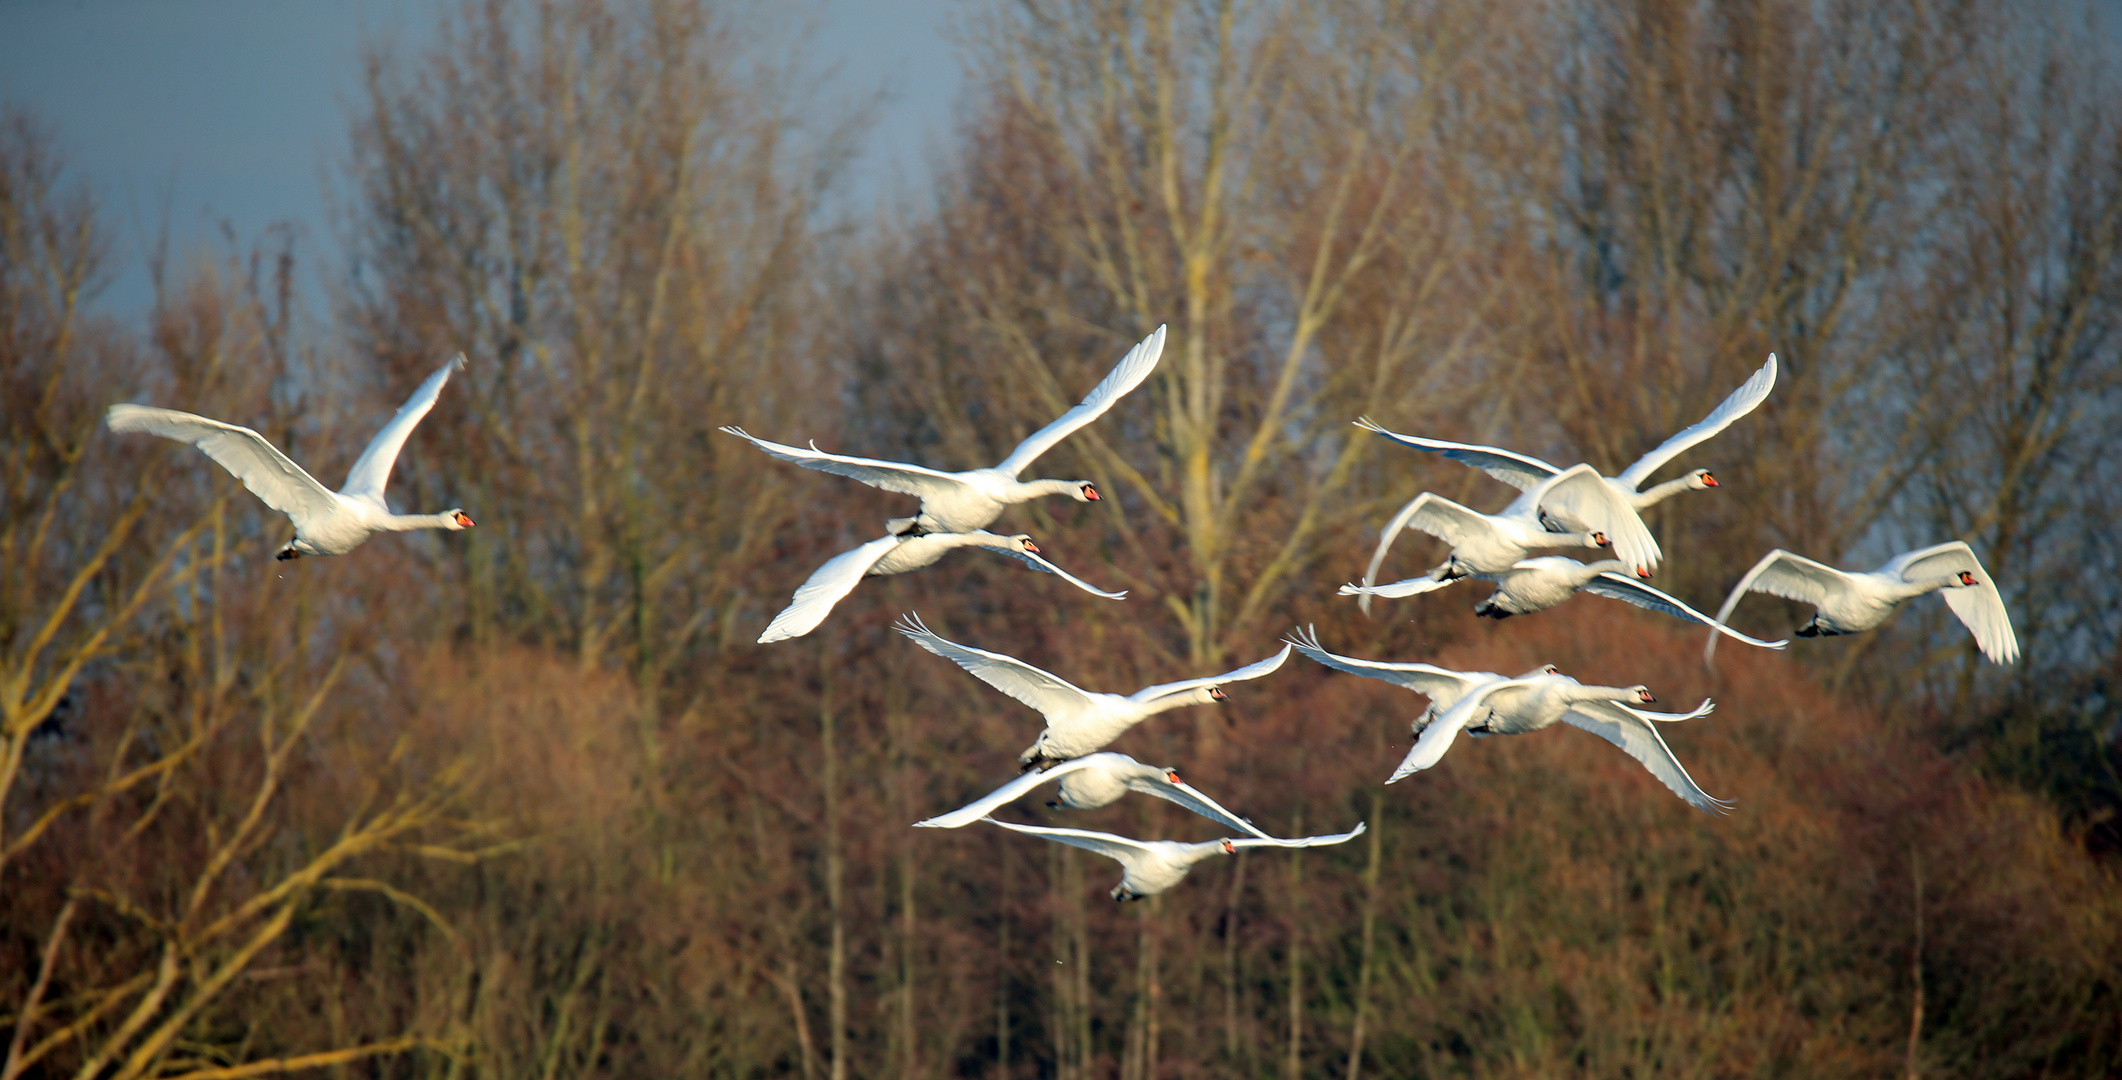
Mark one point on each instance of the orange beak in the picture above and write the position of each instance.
(1090, 493)
(1229, 848)
(1031, 547)
(1643, 572)
(464, 520)
(1967, 577)
(1216, 693)
(1173, 776)
(1646, 696)
(1708, 480)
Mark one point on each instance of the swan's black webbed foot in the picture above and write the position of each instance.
(1491, 611)
(1053, 804)
(287, 553)
(1811, 629)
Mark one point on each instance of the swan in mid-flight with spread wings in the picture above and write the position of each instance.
(1494, 543)
(1078, 722)
(1442, 686)
(1092, 781)
(963, 501)
(1851, 603)
(1525, 472)
(1538, 584)
(1521, 706)
(886, 555)
(1152, 866)
(327, 522)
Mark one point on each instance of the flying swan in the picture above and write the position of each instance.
(327, 522)
(1092, 781)
(1442, 686)
(1496, 543)
(1152, 866)
(1520, 706)
(886, 555)
(1524, 471)
(1538, 584)
(1851, 603)
(1078, 722)
(964, 501)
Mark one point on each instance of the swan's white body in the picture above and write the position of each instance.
(1520, 706)
(1092, 781)
(326, 522)
(1633, 543)
(1851, 603)
(1541, 583)
(964, 501)
(1078, 722)
(1442, 686)
(886, 555)
(1495, 543)
(1152, 866)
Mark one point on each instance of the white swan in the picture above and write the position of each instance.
(963, 501)
(1524, 471)
(1092, 781)
(1442, 686)
(885, 555)
(1494, 543)
(1538, 584)
(1851, 603)
(1152, 866)
(1519, 706)
(327, 522)
(1078, 722)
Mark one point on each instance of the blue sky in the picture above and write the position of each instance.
(235, 110)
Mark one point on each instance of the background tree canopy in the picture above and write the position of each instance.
(526, 801)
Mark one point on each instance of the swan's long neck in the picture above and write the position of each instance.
(1032, 489)
(1658, 493)
(1197, 696)
(413, 522)
(1197, 852)
(1599, 693)
(1909, 590)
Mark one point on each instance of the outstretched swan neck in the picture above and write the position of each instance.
(1200, 695)
(1657, 493)
(1079, 490)
(453, 520)
(1909, 590)
(1632, 695)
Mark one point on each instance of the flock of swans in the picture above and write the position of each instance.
(1557, 508)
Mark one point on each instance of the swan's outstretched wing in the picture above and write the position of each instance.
(1106, 844)
(1781, 573)
(1048, 693)
(1385, 542)
(1395, 590)
(1638, 738)
(1166, 785)
(1018, 788)
(1980, 606)
(1745, 399)
(1254, 670)
(889, 475)
(815, 598)
(1257, 841)
(1521, 471)
(1623, 587)
(276, 481)
(1037, 563)
(1432, 682)
(1579, 498)
(1435, 739)
(1128, 374)
(373, 468)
